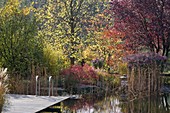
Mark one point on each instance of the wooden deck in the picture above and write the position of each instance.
(30, 103)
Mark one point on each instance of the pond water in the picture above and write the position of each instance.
(117, 104)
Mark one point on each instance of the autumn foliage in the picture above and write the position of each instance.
(145, 23)
(110, 41)
(79, 74)
(115, 47)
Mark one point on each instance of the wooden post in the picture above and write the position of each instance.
(36, 86)
(49, 90)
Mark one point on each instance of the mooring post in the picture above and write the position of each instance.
(36, 79)
(49, 85)
(52, 87)
(39, 86)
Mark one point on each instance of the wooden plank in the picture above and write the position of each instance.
(30, 103)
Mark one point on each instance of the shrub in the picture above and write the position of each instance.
(98, 63)
(108, 80)
(144, 59)
(76, 74)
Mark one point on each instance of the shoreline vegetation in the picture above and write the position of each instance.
(68, 47)
(3, 86)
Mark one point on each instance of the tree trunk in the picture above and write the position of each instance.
(72, 59)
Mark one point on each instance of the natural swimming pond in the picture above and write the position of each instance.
(117, 104)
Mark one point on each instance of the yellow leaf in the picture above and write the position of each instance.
(26, 11)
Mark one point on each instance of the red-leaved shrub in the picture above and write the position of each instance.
(79, 74)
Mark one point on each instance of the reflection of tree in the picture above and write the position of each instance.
(153, 104)
(85, 102)
(112, 104)
(97, 104)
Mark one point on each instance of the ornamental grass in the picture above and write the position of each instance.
(3, 86)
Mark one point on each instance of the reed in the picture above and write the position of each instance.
(144, 74)
(3, 86)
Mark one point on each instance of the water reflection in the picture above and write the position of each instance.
(116, 104)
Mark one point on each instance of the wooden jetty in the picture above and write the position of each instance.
(30, 103)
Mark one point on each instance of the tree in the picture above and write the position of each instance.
(68, 20)
(107, 42)
(54, 59)
(145, 23)
(18, 45)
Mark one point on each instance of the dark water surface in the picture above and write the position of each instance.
(112, 104)
(117, 104)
